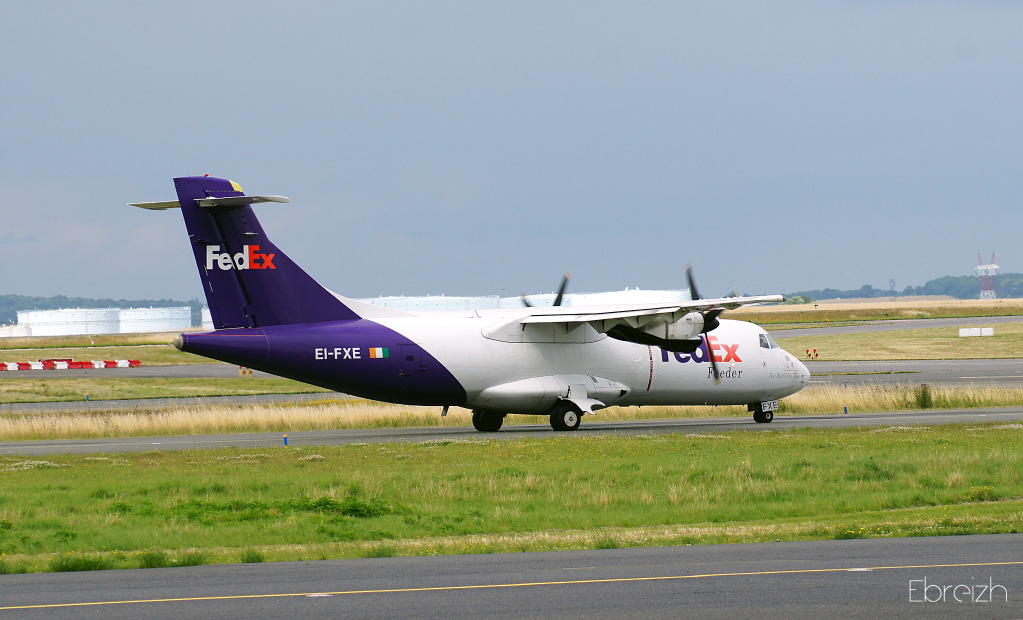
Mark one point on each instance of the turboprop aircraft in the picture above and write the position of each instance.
(559, 361)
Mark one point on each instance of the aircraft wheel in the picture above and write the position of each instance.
(564, 417)
(487, 421)
(762, 417)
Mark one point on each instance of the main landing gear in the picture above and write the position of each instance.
(759, 415)
(487, 421)
(565, 417)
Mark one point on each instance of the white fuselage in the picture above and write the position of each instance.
(507, 366)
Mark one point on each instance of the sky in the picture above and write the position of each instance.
(485, 148)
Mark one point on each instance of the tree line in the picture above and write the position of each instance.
(960, 287)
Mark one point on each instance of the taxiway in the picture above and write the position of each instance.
(868, 578)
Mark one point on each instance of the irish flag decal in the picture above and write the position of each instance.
(378, 353)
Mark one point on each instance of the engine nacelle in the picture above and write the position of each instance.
(688, 327)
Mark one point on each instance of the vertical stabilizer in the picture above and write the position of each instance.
(248, 281)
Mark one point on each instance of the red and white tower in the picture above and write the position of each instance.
(987, 276)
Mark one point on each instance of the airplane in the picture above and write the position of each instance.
(557, 361)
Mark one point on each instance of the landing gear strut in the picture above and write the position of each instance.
(487, 421)
(565, 417)
(759, 415)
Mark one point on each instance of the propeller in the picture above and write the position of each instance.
(710, 321)
(557, 300)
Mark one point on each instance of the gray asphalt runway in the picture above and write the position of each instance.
(591, 426)
(873, 578)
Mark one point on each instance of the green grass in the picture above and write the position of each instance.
(252, 556)
(66, 563)
(476, 496)
(61, 388)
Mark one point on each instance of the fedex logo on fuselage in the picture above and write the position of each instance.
(722, 352)
(248, 258)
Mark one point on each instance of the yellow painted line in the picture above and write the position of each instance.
(509, 585)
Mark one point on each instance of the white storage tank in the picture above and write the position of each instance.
(146, 320)
(443, 302)
(628, 296)
(15, 331)
(70, 321)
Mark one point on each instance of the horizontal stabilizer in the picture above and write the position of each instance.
(157, 206)
(229, 201)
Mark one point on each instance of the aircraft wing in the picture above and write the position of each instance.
(603, 318)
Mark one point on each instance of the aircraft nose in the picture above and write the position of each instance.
(802, 374)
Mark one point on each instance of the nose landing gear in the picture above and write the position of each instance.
(760, 416)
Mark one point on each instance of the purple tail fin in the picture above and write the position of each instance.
(248, 281)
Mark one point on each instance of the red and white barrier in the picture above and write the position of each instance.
(66, 364)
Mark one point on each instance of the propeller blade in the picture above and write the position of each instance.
(692, 283)
(561, 290)
(710, 319)
(710, 356)
(557, 300)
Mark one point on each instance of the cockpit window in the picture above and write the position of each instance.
(766, 342)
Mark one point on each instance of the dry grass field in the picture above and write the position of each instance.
(331, 413)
